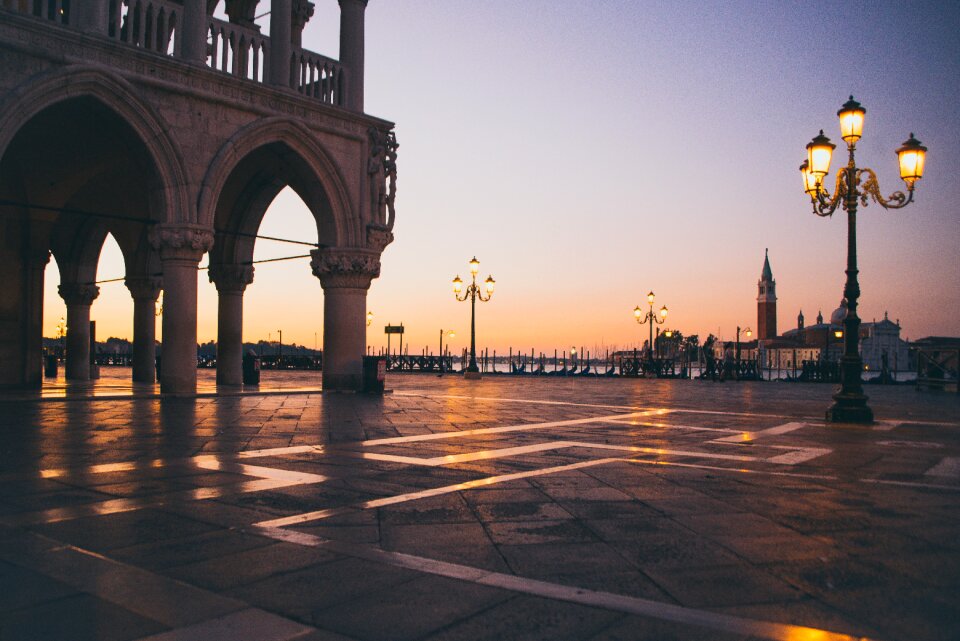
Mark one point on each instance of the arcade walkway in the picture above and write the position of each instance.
(505, 509)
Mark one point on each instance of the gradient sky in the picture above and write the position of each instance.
(590, 151)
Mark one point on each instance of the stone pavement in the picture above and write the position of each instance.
(501, 509)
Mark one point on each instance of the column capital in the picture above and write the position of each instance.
(362, 3)
(144, 288)
(183, 241)
(230, 278)
(345, 267)
(301, 13)
(78, 293)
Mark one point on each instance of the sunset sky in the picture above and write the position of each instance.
(590, 151)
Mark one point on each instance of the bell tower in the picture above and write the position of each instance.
(766, 301)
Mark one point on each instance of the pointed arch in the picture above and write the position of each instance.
(24, 102)
(327, 197)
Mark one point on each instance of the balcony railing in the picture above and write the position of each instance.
(317, 76)
(153, 25)
(242, 52)
(44, 9)
(239, 51)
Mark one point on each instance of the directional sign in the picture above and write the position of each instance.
(393, 329)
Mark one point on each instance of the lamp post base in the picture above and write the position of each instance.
(849, 408)
(471, 375)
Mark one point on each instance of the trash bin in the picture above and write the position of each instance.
(50, 370)
(251, 368)
(374, 373)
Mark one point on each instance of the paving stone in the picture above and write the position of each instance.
(530, 619)
(437, 602)
(77, 618)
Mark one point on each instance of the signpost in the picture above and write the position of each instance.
(393, 329)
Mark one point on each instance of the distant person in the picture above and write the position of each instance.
(711, 362)
(729, 364)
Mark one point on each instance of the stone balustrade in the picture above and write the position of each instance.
(159, 26)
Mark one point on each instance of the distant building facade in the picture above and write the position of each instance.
(880, 342)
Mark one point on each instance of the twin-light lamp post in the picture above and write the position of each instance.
(854, 184)
(473, 292)
(650, 317)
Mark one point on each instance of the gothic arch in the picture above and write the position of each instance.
(24, 102)
(327, 199)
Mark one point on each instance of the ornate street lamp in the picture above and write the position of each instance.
(369, 318)
(650, 317)
(473, 293)
(854, 184)
(749, 333)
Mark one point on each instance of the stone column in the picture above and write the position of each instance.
(144, 292)
(280, 23)
(301, 13)
(194, 32)
(352, 14)
(231, 281)
(78, 297)
(345, 275)
(93, 16)
(181, 246)
(34, 264)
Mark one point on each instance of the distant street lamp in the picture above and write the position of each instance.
(749, 333)
(854, 184)
(650, 317)
(369, 318)
(280, 351)
(473, 293)
(62, 332)
(450, 334)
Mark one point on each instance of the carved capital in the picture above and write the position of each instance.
(242, 12)
(184, 242)
(230, 278)
(353, 268)
(378, 238)
(147, 288)
(78, 293)
(301, 12)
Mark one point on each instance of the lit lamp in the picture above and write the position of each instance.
(369, 318)
(854, 185)
(450, 334)
(473, 293)
(651, 318)
(749, 333)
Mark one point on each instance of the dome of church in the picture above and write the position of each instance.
(839, 314)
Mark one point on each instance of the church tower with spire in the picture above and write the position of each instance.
(766, 301)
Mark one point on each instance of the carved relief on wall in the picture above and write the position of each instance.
(382, 167)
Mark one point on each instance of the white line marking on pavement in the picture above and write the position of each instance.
(744, 437)
(886, 426)
(570, 594)
(949, 467)
(798, 455)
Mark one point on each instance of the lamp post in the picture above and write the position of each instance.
(61, 333)
(473, 293)
(369, 318)
(449, 333)
(854, 184)
(749, 333)
(650, 317)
